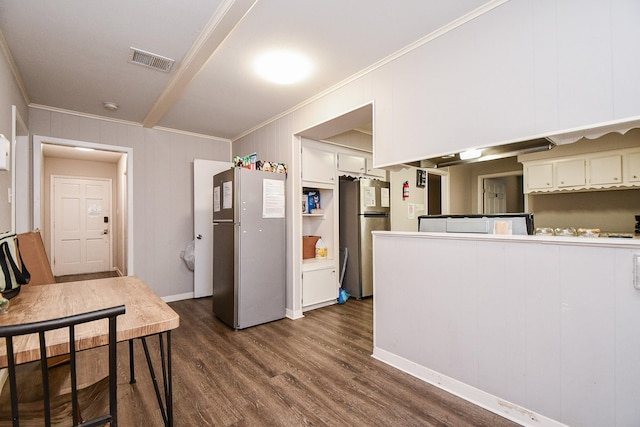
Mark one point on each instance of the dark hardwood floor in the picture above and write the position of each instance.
(87, 276)
(316, 371)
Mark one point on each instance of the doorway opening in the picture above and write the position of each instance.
(55, 156)
(501, 193)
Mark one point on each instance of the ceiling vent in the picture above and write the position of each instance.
(150, 60)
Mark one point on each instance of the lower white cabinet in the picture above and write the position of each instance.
(319, 286)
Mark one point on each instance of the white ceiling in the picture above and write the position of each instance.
(72, 54)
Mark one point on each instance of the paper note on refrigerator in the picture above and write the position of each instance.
(227, 195)
(369, 196)
(272, 198)
(384, 197)
(216, 199)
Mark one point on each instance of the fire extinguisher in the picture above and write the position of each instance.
(405, 190)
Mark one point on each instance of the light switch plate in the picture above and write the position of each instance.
(636, 271)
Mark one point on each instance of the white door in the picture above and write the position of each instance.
(203, 172)
(81, 225)
(495, 197)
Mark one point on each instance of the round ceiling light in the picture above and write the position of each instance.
(111, 106)
(282, 66)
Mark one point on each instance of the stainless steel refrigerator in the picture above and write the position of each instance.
(364, 207)
(248, 247)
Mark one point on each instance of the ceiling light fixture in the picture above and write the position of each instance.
(111, 106)
(84, 148)
(470, 154)
(282, 66)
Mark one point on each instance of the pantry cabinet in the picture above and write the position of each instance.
(587, 172)
(319, 278)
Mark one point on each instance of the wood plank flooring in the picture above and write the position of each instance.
(86, 276)
(316, 371)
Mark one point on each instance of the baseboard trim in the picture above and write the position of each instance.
(478, 397)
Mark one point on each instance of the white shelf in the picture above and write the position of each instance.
(323, 216)
(317, 264)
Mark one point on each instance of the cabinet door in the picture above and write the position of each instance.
(570, 173)
(319, 286)
(380, 173)
(539, 176)
(318, 165)
(633, 166)
(605, 170)
(349, 163)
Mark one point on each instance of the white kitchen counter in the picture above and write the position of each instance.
(542, 330)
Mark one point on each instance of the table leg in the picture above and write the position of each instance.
(132, 374)
(166, 407)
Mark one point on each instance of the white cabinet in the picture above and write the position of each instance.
(319, 286)
(539, 176)
(319, 281)
(351, 164)
(318, 165)
(593, 171)
(632, 168)
(605, 169)
(371, 171)
(570, 173)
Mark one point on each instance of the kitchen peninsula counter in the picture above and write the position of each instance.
(543, 330)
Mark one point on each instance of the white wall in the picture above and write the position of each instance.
(9, 95)
(525, 326)
(509, 75)
(400, 217)
(162, 189)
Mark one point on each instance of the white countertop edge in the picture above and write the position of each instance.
(548, 240)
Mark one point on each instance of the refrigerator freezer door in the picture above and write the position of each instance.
(224, 285)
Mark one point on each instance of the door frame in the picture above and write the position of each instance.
(480, 186)
(52, 213)
(38, 176)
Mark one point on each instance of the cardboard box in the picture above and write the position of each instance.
(309, 246)
(35, 258)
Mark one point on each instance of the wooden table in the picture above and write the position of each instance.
(146, 315)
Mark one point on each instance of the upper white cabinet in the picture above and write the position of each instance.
(318, 165)
(539, 176)
(371, 171)
(605, 169)
(351, 164)
(632, 168)
(584, 172)
(570, 173)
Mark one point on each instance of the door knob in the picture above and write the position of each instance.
(199, 237)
